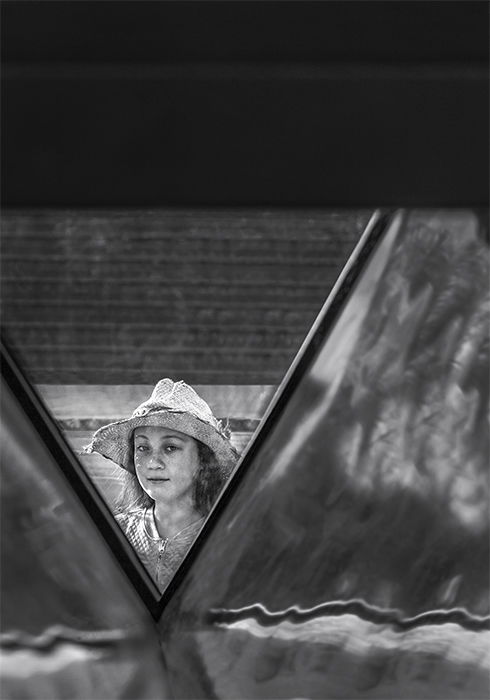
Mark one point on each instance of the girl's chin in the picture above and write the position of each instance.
(159, 489)
(159, 494)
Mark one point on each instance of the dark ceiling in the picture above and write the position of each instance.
(245, 103)
(158, 32)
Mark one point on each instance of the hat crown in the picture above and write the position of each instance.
(176, 405)
(176, 396)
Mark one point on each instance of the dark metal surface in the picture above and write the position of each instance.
(42, 424)
(72, 626)
(352, 560)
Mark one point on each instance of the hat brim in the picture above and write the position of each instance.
(114, 440)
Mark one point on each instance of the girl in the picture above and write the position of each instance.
(179, 457)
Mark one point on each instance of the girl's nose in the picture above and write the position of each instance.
(157, 461)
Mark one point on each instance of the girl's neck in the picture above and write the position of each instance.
(171, 519)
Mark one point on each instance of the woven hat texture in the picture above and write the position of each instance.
(172, 405)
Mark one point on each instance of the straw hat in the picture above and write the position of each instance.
(172, 405)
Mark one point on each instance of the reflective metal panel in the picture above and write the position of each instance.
(72, 627)
(352, 558)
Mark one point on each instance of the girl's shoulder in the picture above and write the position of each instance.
(135, 513)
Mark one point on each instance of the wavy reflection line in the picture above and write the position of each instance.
(61, 634)
(360, 608)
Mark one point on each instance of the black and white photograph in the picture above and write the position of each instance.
(245, 344)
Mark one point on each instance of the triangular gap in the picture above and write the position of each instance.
(100, 305)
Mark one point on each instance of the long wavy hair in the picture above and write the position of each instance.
(208, 481)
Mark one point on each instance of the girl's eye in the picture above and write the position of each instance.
(141, 448)
(171, 448)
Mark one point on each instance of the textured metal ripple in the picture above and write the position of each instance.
(356, 607)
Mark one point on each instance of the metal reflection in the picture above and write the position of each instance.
(352, 561)
(71, 626)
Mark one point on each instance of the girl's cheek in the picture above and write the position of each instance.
(138, 461)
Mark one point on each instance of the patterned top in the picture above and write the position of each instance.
(160, 555)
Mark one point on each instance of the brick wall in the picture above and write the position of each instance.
(212, 297)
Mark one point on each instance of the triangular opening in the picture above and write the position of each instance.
(99, 306)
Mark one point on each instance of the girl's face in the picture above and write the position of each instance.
(165, 461)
